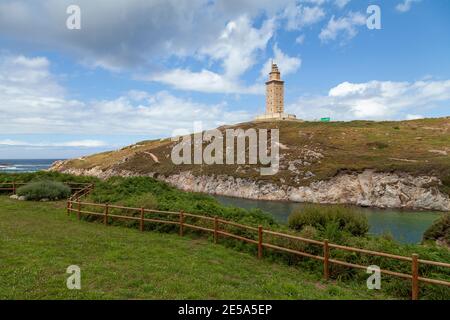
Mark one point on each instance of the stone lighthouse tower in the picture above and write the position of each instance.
(274, 91)
(275, 98)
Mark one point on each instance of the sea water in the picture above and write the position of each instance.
(24, 165)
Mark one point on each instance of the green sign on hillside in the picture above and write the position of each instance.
(325, 119)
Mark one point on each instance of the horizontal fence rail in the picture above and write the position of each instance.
(75, 205)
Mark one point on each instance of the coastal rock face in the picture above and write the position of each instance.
(384, 190)
(367, 188)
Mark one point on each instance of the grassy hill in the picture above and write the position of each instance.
(310, 151)
(38, 241)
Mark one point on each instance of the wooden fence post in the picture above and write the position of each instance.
(14, 187)
(415, 277)
(70, 206)
(260, 240)
(141, 223)
(216, 227)
(181, 223)
(79, 209)
(105, 218)
(326, 257)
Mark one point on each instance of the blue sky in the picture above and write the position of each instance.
(140, 69)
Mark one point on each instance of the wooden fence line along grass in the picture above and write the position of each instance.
(216, 231)
(85, 189)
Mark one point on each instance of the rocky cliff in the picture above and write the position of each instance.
(403, 164)
(368, 188)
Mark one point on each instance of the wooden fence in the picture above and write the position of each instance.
(74, 204)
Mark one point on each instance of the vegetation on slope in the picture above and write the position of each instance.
(140, 191)
(324, 149)
(129, 191)
(439, 231)
(330, 219)
(118, 190)
(50, 190)
(44, 176)
(38, 242)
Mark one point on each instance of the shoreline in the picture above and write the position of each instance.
(367, 189)
(406, 210)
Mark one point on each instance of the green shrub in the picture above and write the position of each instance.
(309, 232)
(377, 145)
(439, 230)
(127, 192)
(330, 220)
(38, 190)
(146, 200)
(45, 176)
(332, 231)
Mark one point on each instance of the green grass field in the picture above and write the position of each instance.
(38, 241)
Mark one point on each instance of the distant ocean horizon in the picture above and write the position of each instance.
(25, 165)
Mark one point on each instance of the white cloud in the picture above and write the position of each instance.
(236, 49)
(341, 3)
(27, 75)
(33, 102)
(285, 63)
(346, 25)
(124, 34)
(300, 39)
(414, 116)
(237, 45)
(405, 6)
(377, 100)
(298, 16)
(338, 3)
(226, 37)
(107, 38)
(203, 81)
(142, 35)
(77, 143)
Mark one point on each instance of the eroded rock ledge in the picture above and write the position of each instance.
(368, 188)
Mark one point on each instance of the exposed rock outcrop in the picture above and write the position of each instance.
(367, 188)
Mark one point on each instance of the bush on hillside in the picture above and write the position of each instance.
(330, 220)
(46, 176)
(124, 191)
(146, 200)
(39, 190)
(377, 145)
(439, 230)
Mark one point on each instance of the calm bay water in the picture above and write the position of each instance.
(404, 225)
(24, 165)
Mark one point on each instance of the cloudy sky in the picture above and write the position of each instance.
(139, 69)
